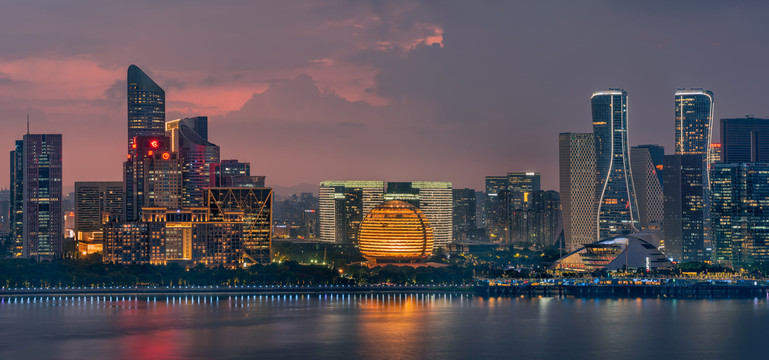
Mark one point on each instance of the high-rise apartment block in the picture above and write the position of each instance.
(745, 140)
(617, 206)
(578, 182)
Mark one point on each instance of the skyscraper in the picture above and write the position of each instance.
(684, 200)
(522, 224)
(43, 218)
(578, 183)
(745, 140)
(617, 207)
(521, 186)
(686, 186)
(464, 214)
(647, 164)
(189, 137)
(740, 208)
(152, 176)
(496, 209)
(17, 199)
(693, 121)
(146, 106)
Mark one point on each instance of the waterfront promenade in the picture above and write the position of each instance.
(657, 288)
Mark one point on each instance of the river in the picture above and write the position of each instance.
(380, 326)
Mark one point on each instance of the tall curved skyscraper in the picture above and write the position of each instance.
(617, 209)
(146, 106)
(694, 120)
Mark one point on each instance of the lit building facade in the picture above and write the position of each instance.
(647, 163)
(396, 231)
(342, 206)
(686, 202)
(164, 180)
(434, 199)
(42, 213)
(617, 207)
(255, 208)
(577, 169)
(146, 106)
(684, 223)
(745, 140)
(189, 137)
(150, 160)
(94, 200)
(185, 236)
(740, 208)
(693, 121)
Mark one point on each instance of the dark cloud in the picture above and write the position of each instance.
(486, 94)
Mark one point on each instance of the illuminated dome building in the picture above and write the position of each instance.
(395, 231)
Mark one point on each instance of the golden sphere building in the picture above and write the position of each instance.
(395, 231)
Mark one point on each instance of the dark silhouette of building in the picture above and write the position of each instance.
(745, 140)
(464, 221)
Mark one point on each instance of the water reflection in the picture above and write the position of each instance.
(375, 326)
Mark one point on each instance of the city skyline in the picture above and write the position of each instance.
(358, 74)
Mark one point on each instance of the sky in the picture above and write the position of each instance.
(381, 90)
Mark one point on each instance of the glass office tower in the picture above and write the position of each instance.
(146, 106)
(617, 209)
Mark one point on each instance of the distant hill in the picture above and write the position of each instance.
(295, 189)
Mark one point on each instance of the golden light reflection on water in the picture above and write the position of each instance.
(371, 326)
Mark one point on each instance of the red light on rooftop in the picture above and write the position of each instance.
(166, 156)
(154, 144)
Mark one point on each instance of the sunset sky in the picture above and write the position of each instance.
(385, 90)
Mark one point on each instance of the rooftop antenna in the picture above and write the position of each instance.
(27, 124)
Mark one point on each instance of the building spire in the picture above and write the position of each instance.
(27, 124)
